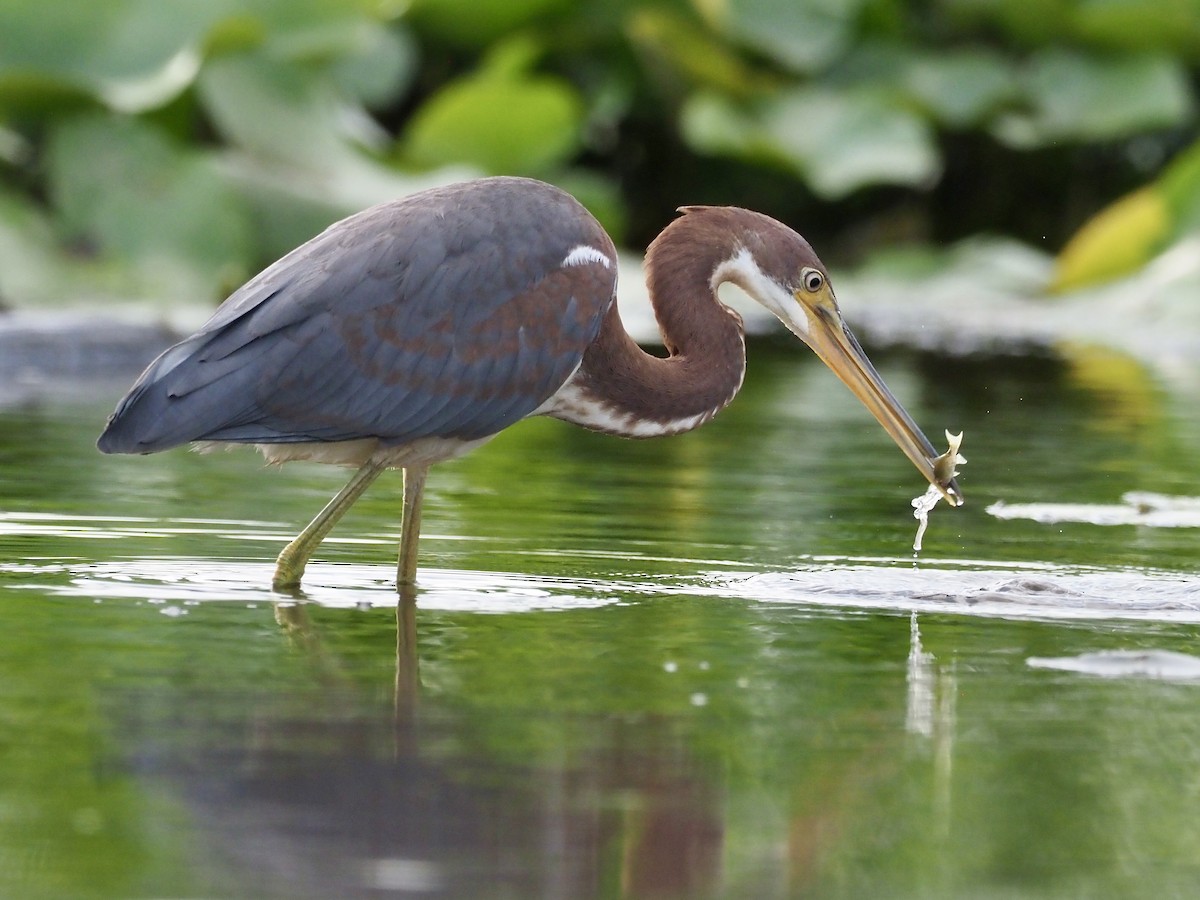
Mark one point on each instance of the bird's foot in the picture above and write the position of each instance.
(288, 572)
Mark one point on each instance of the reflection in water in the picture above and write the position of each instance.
(1143, 508)
(350, 800)
(546, 759)
(1164, 665)
(930, 715)
(408, 672)
(920, 676)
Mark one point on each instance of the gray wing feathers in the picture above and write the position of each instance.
(408, 320)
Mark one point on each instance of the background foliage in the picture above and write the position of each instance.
(169, 150)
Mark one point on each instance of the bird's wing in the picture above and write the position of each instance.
(377, 328)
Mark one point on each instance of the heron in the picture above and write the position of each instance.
(415, 331)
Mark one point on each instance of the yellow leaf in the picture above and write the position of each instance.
(1125, 394)
(1120, 238)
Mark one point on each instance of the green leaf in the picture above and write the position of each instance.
(847, 141)
(801, 36)
(27, 95)
(1164, 25)
(102, 40)
(134, 54)
(276, 109)
(27, 257)
(122, 187)
(838, 141)
(1180, 185)
(961, 87)
(378, 67)
(713, 123)
(688, 49)
(1027, 21)
(477, 23)
(300, 148)
(500, 119)
(1082, 98)
(138, 55)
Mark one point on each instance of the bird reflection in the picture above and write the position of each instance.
(408, 674)
(417, 819)
(293, 618)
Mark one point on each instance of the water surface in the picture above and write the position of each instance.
(707, 666)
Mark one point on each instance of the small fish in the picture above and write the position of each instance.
(945, 467)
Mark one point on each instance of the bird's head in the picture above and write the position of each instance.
(778, 268)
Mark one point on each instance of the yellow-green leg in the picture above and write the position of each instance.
(289, 568)
(410, 526)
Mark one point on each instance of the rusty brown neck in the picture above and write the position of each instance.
(632, 393)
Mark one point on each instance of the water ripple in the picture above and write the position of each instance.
(1143, 508)
(972, 587)
(171, 582)
(1018, 590)
(1025, 590)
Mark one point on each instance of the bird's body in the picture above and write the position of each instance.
(380, 335)
(416, 330)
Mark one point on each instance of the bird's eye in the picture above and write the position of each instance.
(812, 280)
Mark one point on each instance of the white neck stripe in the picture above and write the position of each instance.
(742, 269)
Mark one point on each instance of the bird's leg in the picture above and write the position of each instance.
(410, 527)
(289, 568)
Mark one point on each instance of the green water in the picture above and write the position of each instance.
(676, 668)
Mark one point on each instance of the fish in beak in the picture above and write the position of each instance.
(824, 330)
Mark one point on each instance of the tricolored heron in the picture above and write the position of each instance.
(417, 330)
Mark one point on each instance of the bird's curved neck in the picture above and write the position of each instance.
(621, 389)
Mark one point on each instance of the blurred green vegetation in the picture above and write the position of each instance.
(169, 150)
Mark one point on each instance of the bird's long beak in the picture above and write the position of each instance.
(837, 347)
